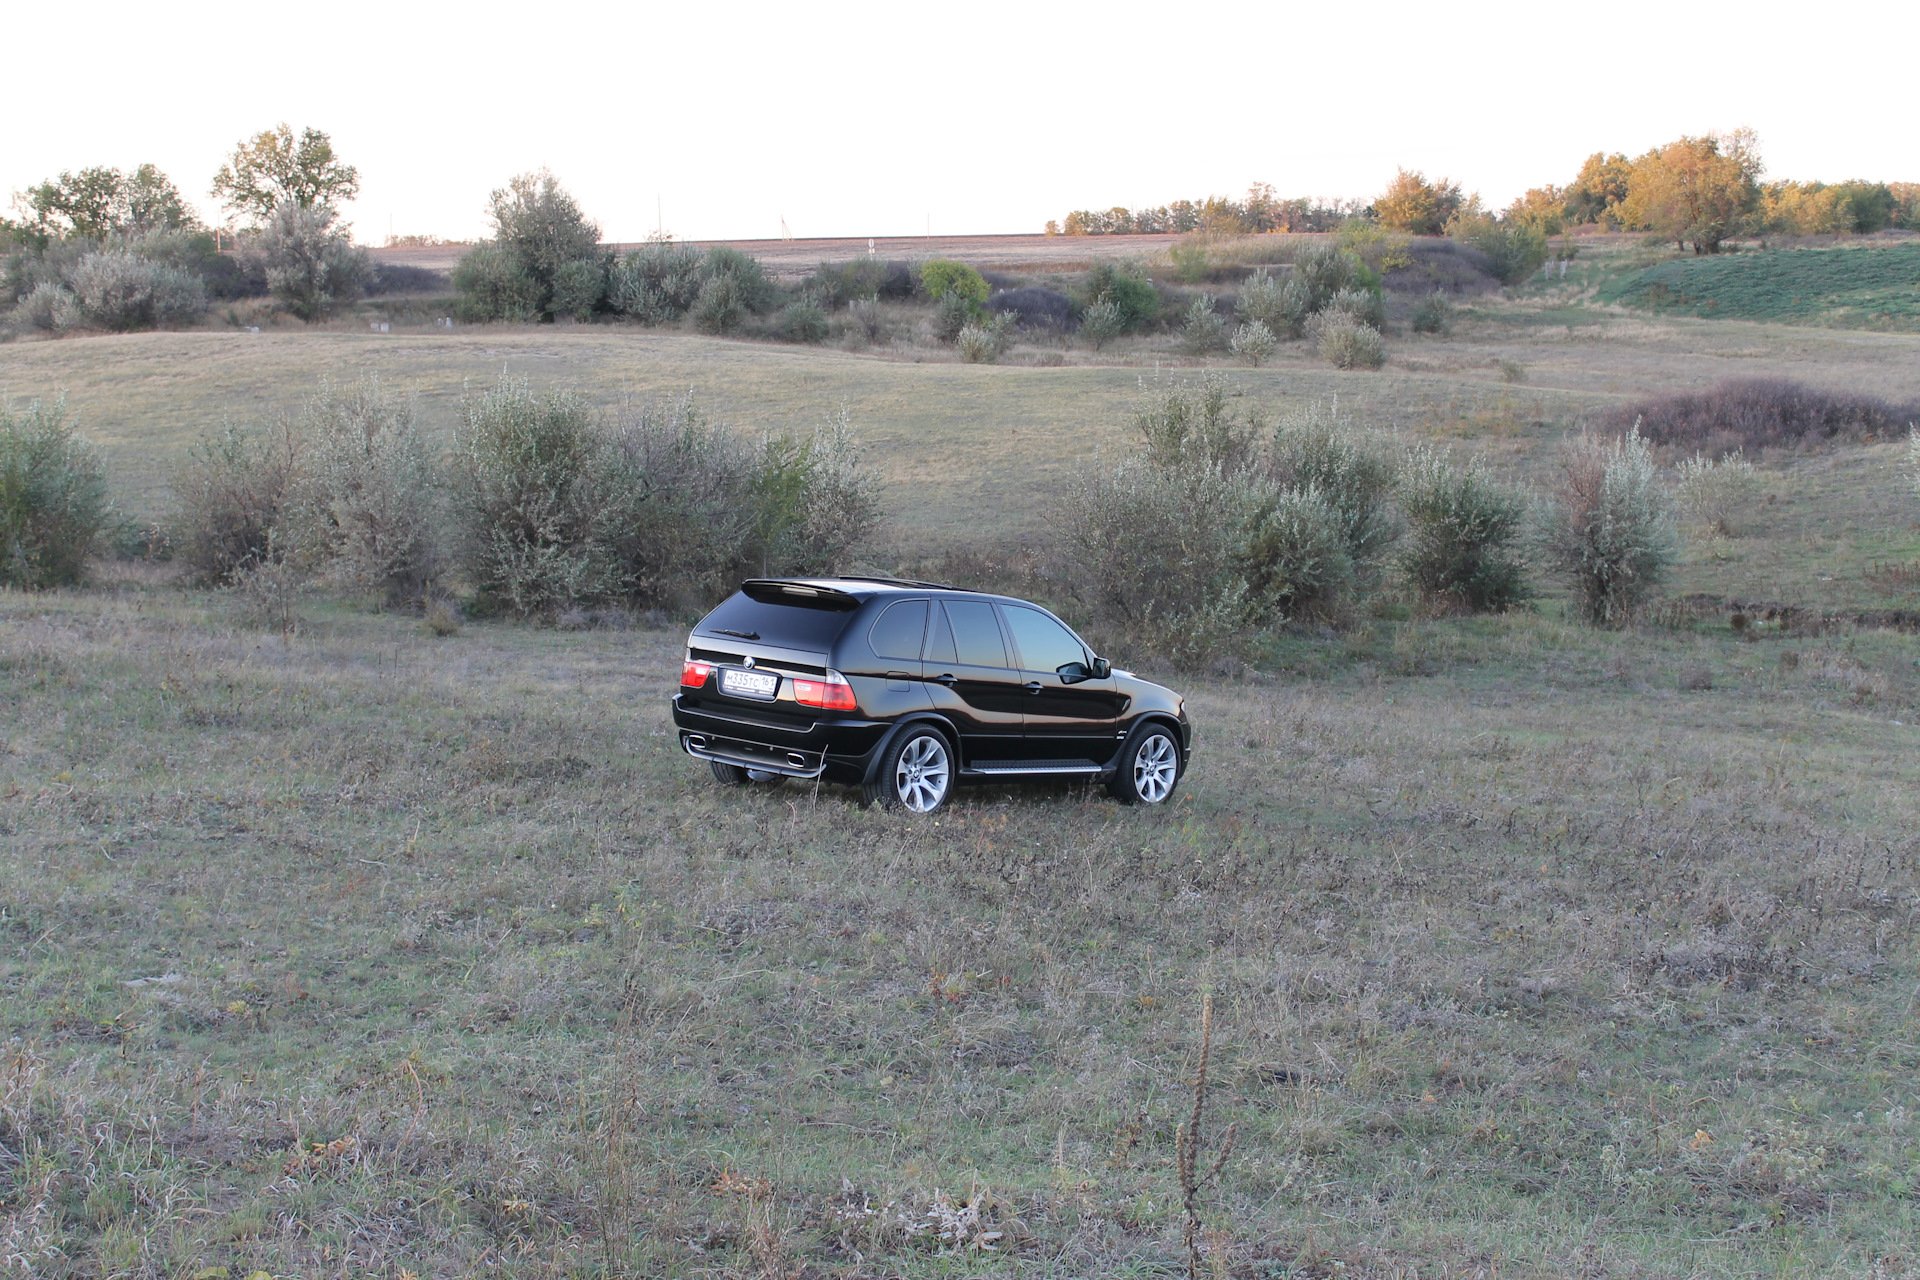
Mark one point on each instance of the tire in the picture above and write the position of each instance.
(727, 775)
(1149, 767)
(915, 774)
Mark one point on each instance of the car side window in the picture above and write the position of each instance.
(940, 639)
(898, 632)
(976, 634)
(1045, 645)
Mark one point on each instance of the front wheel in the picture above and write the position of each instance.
(1149, 767)
(916, 774)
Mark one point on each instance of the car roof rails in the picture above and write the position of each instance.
(898, 582)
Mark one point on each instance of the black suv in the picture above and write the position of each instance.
(905, 688)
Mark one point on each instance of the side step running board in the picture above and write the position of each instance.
(1007, 768)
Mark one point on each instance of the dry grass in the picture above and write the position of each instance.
(364, 949)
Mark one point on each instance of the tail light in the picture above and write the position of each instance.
(693, 674)
(831, 694)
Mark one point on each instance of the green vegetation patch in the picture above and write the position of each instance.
(1853, 288)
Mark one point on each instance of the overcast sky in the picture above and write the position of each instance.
(859, 119)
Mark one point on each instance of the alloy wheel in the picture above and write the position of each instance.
(922, 774)
(1156, 767)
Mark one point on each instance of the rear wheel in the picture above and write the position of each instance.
(1149, 767)
(916, 773)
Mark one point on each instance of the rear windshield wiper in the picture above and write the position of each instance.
(744, 635)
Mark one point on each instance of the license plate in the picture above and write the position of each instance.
(749, 684)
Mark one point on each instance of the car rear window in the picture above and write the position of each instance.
(792, 626)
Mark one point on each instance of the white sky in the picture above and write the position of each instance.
(870, 119)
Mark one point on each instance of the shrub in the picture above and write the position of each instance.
(526, 502)
(538, 222)
(719, 309)
(1607, 528)
(1294, 560)
(1360, 306)
(1755, 413)
(1102, 322)
(1465, 528)
(1135, 298)
(1716, 495)
(1324, 269)
(656, 283)
(1913, 458)
(1191, 421)
(1347, 345)
(1034, 308)
(1282, 306)
(1158, 549)
(53, 498)
(1202, 329)
(952, 314)
(1253, 342)
(494, 284)
(580, 288)
(1319, 448)
(311, 264)
(42, 309)
(986, 343)
(813, 502)
(752, 290)
(367, 505)
(942, 277)
(804, 321)
(119, 290)
(232, 497)
(1433, 314)
(1515, 250)
(675, 488)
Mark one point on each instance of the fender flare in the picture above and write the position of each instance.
(916, 718)
(1169, 723)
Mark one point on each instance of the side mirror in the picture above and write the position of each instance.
(1102, 668)
(1072, 672)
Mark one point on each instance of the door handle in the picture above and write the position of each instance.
(1034, 686)
(948, 680)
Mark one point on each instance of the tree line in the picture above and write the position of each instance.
(1698, 192)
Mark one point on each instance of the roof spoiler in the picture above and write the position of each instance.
(809, 595)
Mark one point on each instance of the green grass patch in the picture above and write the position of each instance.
(1864, 288)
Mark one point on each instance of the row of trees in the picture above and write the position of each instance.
(1261, 211)
(105, 248)
(1697, 191)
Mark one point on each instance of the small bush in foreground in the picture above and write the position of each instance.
(232, 497)
(53, 498)
(525, 499)
(1752, 414)
(1607, 528)
(1464, 533)
(1283, 307)
(1320, 448)
(1348, 344)
(986, 343)
(368, 507)
(1102, 322)
(1253, 342)
(1717, 495)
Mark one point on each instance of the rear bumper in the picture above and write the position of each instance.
(836, 750)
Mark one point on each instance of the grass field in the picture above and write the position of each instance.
(967, 450)
(1873, 288)
(364, 950)
(1535, 950)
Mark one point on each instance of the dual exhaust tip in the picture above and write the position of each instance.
(698, 742)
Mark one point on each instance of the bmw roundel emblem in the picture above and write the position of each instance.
(749, 662)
